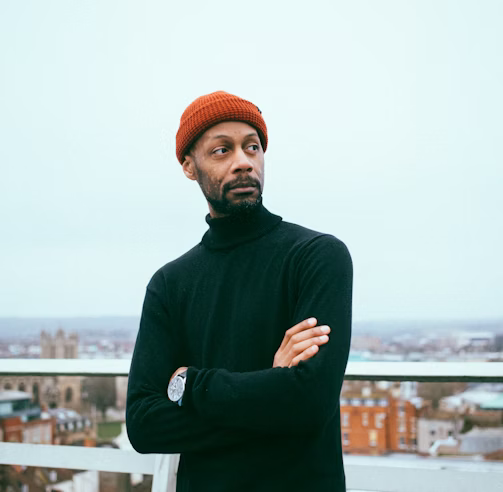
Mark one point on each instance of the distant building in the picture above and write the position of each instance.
(477, 442)
(63, 347)
(481, 441)
(72, 428)
(378, 422)
(468, 401)
(366, 342)
(434, 426)
(58, 346)
(23, 421)
(39, 479)
(51, 391)
(475, 341)
(495, 403)
(79, 481)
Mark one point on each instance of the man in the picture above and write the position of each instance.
(232, 366)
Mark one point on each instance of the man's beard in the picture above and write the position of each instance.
(241, 207)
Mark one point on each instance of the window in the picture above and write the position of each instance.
(343, 402)
(379, 420)
(6, 408)
(68, 395)
(34, 391)
(345, 419)
(365, 419)
(373, 438)
(401, 409)
(369, 402)
(356, 402)
(345, 438)
(383, 402)
(401, 424)
(402, 442)
(21, 387)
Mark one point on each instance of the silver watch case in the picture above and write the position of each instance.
(176, 388)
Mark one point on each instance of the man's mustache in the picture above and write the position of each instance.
(242, 184)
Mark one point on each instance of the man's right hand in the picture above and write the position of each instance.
(300, 343)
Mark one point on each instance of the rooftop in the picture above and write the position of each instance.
(432, 414)
(478, 397)
(494, 404)
(64, 414)
(12, 395)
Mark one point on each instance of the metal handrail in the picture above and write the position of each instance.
(383, 371)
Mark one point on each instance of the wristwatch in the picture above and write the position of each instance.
(176, 388)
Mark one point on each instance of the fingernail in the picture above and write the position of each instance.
(311, 321)
(323, 338)
(325, 329)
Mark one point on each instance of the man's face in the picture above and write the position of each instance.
(228, 163)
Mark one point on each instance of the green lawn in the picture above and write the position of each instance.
(109, 430)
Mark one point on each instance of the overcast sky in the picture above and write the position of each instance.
(385, 130)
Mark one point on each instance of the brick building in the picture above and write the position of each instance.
(23, 421)
(377, 422)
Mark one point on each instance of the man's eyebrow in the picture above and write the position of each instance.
(254, 134)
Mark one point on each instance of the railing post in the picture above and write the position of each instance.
(165, 468)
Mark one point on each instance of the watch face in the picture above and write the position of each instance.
(175, 388)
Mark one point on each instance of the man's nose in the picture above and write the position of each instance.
(241, 163)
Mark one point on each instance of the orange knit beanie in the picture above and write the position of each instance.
(210, 109)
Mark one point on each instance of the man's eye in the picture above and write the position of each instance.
(217, 150)
(254, 145)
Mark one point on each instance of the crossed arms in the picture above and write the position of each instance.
(220, 407)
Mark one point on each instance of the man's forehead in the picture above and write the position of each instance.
(229, 129)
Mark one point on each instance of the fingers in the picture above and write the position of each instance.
(301, 346)
(311, 333)
(307, 323)
(305, 355)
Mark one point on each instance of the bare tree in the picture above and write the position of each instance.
(436, 391)
(100, 391)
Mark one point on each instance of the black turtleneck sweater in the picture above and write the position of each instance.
(222, 309)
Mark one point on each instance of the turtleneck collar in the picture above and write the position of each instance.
(227, 232)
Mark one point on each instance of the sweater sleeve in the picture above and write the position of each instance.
(154, 423)
(300, 399)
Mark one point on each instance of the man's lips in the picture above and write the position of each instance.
(243, 189)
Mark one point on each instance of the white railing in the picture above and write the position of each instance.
(363, 473)
(365, 371)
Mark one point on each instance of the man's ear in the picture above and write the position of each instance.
(189, 167)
